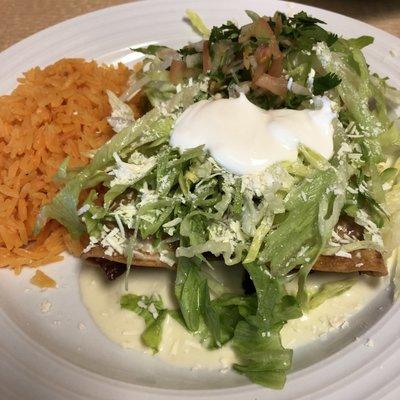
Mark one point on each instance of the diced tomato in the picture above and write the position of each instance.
(259, 29)
(177, 71)
(273, 84)
(278, 24)
(276, 67)
(263, 54)
(206, 57)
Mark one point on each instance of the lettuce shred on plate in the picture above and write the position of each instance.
(141, 192)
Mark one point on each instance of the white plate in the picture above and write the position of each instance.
(46, 356)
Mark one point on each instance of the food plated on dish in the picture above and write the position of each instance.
(259, 155)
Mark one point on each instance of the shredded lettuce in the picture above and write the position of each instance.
(304, 223)
(329, 290)
(197, 23)
(262, 358)
(256, 341)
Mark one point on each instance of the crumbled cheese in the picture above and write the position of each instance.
(345, 148)
(109, 251)
(363, 219)
(345, 239)
(113, 241)
(150, 218)
(289, 84)
(342, 253)
(121, 115)
(370, 343)
(129, 173)
(170, 231)
(232, 233)
(81, 326)
(172, 223)
(362, 187)
(323, 53)
(83, 209)
(141, 304)
(92, 242)
(153, 310)
(147, 195)
(310, 78)
(267, 182)
(126, 214)
(302, 251)
(351, 190)
(167, 257)
(45, 306)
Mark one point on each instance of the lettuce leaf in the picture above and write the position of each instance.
(362, 100)
(256, 340)
(151, 309)
(263, 359)
(300, 228)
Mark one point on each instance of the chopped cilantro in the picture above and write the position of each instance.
(325, 82)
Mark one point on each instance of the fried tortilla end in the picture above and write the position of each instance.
(366, 261)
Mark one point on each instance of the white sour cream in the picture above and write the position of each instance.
(245, 139)
(178, 346)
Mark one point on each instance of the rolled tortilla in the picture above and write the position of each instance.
(365, 261)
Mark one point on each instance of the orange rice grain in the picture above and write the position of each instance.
(55, 112)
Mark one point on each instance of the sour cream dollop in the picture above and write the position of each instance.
(245, 139)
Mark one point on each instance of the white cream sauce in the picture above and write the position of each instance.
(178, 347)
(245, 139)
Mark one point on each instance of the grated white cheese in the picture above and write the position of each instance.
(141, 304)
(289, 84)
(126, 214)
(113, 241)
(370, 343)
(167, 257)
(363, 219)
(342, 253)
(153, 310)
(310, 79)
(121, 115)
(83, 209)
(129, 173)
(267, 182)
(45, 306)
